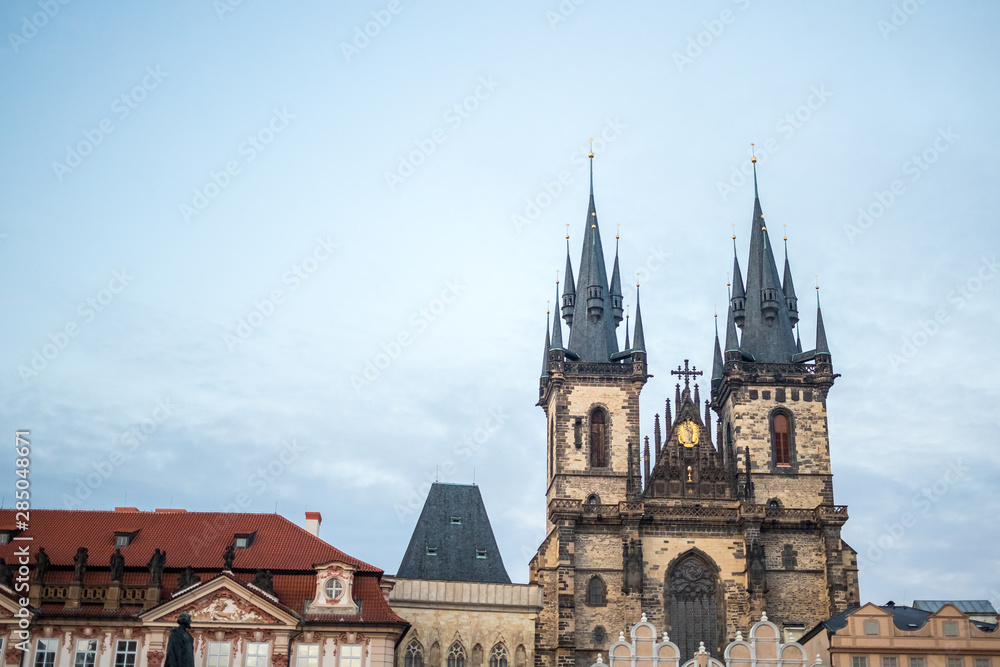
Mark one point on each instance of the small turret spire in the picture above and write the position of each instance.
(569, 288)
(789, 290)
(732, 342)
(626, 347)
(738, 298)
(717, 363)
(557, 341)
(639, 339)
(548, 344)
(821, 345)
(753, 161)
(616, 287)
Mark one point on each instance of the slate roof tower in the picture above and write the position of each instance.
(453, 539)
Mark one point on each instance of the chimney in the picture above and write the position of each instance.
(313, 519)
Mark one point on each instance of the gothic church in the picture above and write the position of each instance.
(709, 524)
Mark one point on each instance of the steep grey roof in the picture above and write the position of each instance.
(545, 354)
(821, 345)
(452, 530)
(557, 341)
(765, 342)
(717, 363)
(964, 606)
(903, 617)
(732, 343)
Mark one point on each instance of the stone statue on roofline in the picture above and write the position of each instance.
(187, 578)
(117, 565)
(156, 564)
(80, 564)
(41, 565)
(180, 645)
(228, 556)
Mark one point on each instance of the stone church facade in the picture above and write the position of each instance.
(727, 513)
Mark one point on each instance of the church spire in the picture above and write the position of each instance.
(569, 288)
(822, 348)
(616, 288)
(592, 335)
(739, 295)
(717, 363)
(732, 342)
(789, 290)
(767, 325)
(626, 346)
(557, 341)
(639, 341)
(548, 345)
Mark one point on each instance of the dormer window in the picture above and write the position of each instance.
(432, 551)
(243, 540)
(123, 539)
(480, 553)
(456, 521)
(334, 588)
(5, 536)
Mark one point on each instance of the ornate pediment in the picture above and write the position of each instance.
(223, 606)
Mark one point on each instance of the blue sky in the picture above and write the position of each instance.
(215, 216)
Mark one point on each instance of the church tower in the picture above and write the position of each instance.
(589, 391)
(710, 524)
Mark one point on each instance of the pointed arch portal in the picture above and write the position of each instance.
(695, 604)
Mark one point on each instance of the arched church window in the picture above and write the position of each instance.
(600, 635)
(596, 592)
(414, 655)
(782, 440)
(598, 438)
(498, 656)
(593, 500)
(456, 655)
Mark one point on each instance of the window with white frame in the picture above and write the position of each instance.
(955, 661)
(86, 653)
(125, 652)
(889, 661)
(307, 655)
(859, 661)
(256, 654)
(871, 627)
(983, 662)
(350, 655)
(218, 654)
(918, 661)
(45, 652)
(950, 629)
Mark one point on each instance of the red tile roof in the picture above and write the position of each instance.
(189, 538)
(196, 539)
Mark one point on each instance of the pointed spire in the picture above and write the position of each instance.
(767, 327)
(798, 339)
(732, 343)
(569, 287)
(717, 363)
(789, 290)
(646, 460)
(738, 298)
(545, 353)
(657, 435)
(626, 347)
(666, 412)
(557, 341)
(821, 345)
(592, 335)
(639, 340)
(753, 160)
(616, 288)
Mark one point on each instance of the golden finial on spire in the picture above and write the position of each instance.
(785, 228)
(618, 232)
(567, 231)
(734, 230)
(753, 155)
(636, 278)
(715, 307)
(727, 279)
(627, 306)
(591, 155)
(547, 307)
(557, 276)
